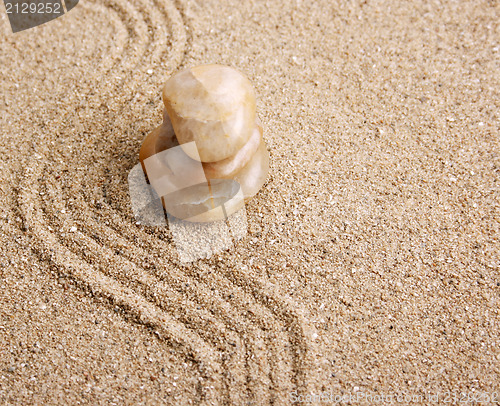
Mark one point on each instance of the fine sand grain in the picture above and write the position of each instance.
(371, 263)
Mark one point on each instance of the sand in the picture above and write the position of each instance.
(371, 263)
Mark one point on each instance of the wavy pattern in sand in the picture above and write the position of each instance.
(255, 326)
(250, 343)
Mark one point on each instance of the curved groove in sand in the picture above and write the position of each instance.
(283, 308)
(103, 257)
(276, 339)
(250, 291)
(227, 319)
(137, 48)
(119, 33)
(98, 283)
(179, 39)
(138, 36)
(302, 354)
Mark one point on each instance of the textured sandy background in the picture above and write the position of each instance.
(372, 259)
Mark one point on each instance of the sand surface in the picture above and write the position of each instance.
(371, 263)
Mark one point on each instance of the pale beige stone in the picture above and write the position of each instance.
(204, 202)
(228, 167)
(210, 114)
(212, 105)
(160, 139)
(253, 175)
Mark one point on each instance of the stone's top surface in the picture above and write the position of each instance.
(214, 106)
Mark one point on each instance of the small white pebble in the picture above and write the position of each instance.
(480, 124)
(63, 211)
(315, 336)
(72, 229)
(150, 71)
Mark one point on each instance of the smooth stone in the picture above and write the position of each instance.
(228, 167)
(212, 201)
(214, 106)
(253, 175)
(160, 139)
